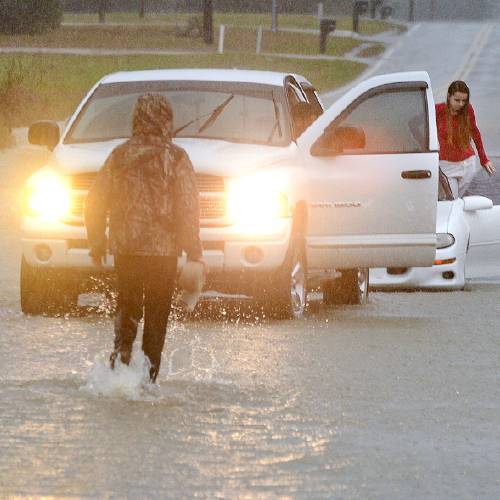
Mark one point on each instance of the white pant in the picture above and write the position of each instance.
(460, 174)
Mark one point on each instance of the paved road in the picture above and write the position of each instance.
(397, 399)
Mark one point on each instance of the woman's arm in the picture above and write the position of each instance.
(476, 137)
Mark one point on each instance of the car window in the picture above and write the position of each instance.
(313, 100)
(393, 121)
(297, 100)
(231, 112)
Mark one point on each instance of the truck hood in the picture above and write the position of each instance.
(207, 155)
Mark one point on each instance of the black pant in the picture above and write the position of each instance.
(143, 282)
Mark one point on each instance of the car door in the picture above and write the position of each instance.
(483, 257)
(372, 200)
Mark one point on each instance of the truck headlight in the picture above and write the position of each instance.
(444, 240)
(254, 204)
(47, 196)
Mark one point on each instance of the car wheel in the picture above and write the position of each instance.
(350, 288)
(44, 291)
(289, 289)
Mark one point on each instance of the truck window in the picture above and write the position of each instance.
(244, 113)
(394, 121)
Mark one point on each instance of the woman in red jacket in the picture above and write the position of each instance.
(456, 124)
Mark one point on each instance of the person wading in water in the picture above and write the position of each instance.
(148, 188)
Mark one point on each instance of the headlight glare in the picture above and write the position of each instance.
(47, 196)
(250, 202)
(444, 240)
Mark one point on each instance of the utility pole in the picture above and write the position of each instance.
(142, 8)
(102, 8)
(411, 11)
(433, 9)
(208, 15)
(374, 5)
(274, 15)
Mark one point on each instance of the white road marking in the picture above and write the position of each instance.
(389, 53)
(470, 60)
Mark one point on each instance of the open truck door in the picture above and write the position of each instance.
(372, 176)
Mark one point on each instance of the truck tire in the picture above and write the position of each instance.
(288, 298)
(44, 291)
(350, 288)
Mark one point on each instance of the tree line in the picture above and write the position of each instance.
(290, 6)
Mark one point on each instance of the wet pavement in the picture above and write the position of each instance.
(396, 399)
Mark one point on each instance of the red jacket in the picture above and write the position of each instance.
(451, 152)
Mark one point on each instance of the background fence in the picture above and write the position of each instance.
(422, 9)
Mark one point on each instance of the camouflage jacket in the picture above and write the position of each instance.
(147, 188)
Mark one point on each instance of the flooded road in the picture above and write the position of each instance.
(399, 398)
(396, 399)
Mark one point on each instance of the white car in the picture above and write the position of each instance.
(280, 213)
(468, 246)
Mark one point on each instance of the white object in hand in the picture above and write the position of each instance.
(191, 280)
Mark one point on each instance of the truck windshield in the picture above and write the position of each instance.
(237, 112)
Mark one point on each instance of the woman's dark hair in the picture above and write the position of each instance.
(462, 136)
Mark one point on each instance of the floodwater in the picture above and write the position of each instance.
(396, 399)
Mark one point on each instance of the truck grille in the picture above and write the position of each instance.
(210, 183)
(83, 182)
(206, 183)
(211, 206)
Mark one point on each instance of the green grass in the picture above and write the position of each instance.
(366, 26)
(164, 37)
(110, 37)
(373, 50)
(244, 40)
(57, 83)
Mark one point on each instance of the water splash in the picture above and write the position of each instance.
(193, 361)
(125, 381)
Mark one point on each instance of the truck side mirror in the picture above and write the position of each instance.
(44, 133)
(336, 140)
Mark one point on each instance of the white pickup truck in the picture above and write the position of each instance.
(280, 212)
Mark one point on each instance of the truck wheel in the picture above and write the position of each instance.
(44, 291)
(350, 288)
(289, 292)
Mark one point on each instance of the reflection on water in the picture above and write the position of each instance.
(211, 428)
(190, 438)
(195, 361)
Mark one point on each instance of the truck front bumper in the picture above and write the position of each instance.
(236, 260)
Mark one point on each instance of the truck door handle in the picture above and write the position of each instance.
(416, 174)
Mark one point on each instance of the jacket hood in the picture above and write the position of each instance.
(152, 117)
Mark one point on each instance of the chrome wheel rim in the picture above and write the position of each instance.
(363, 284)
(298, 289)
